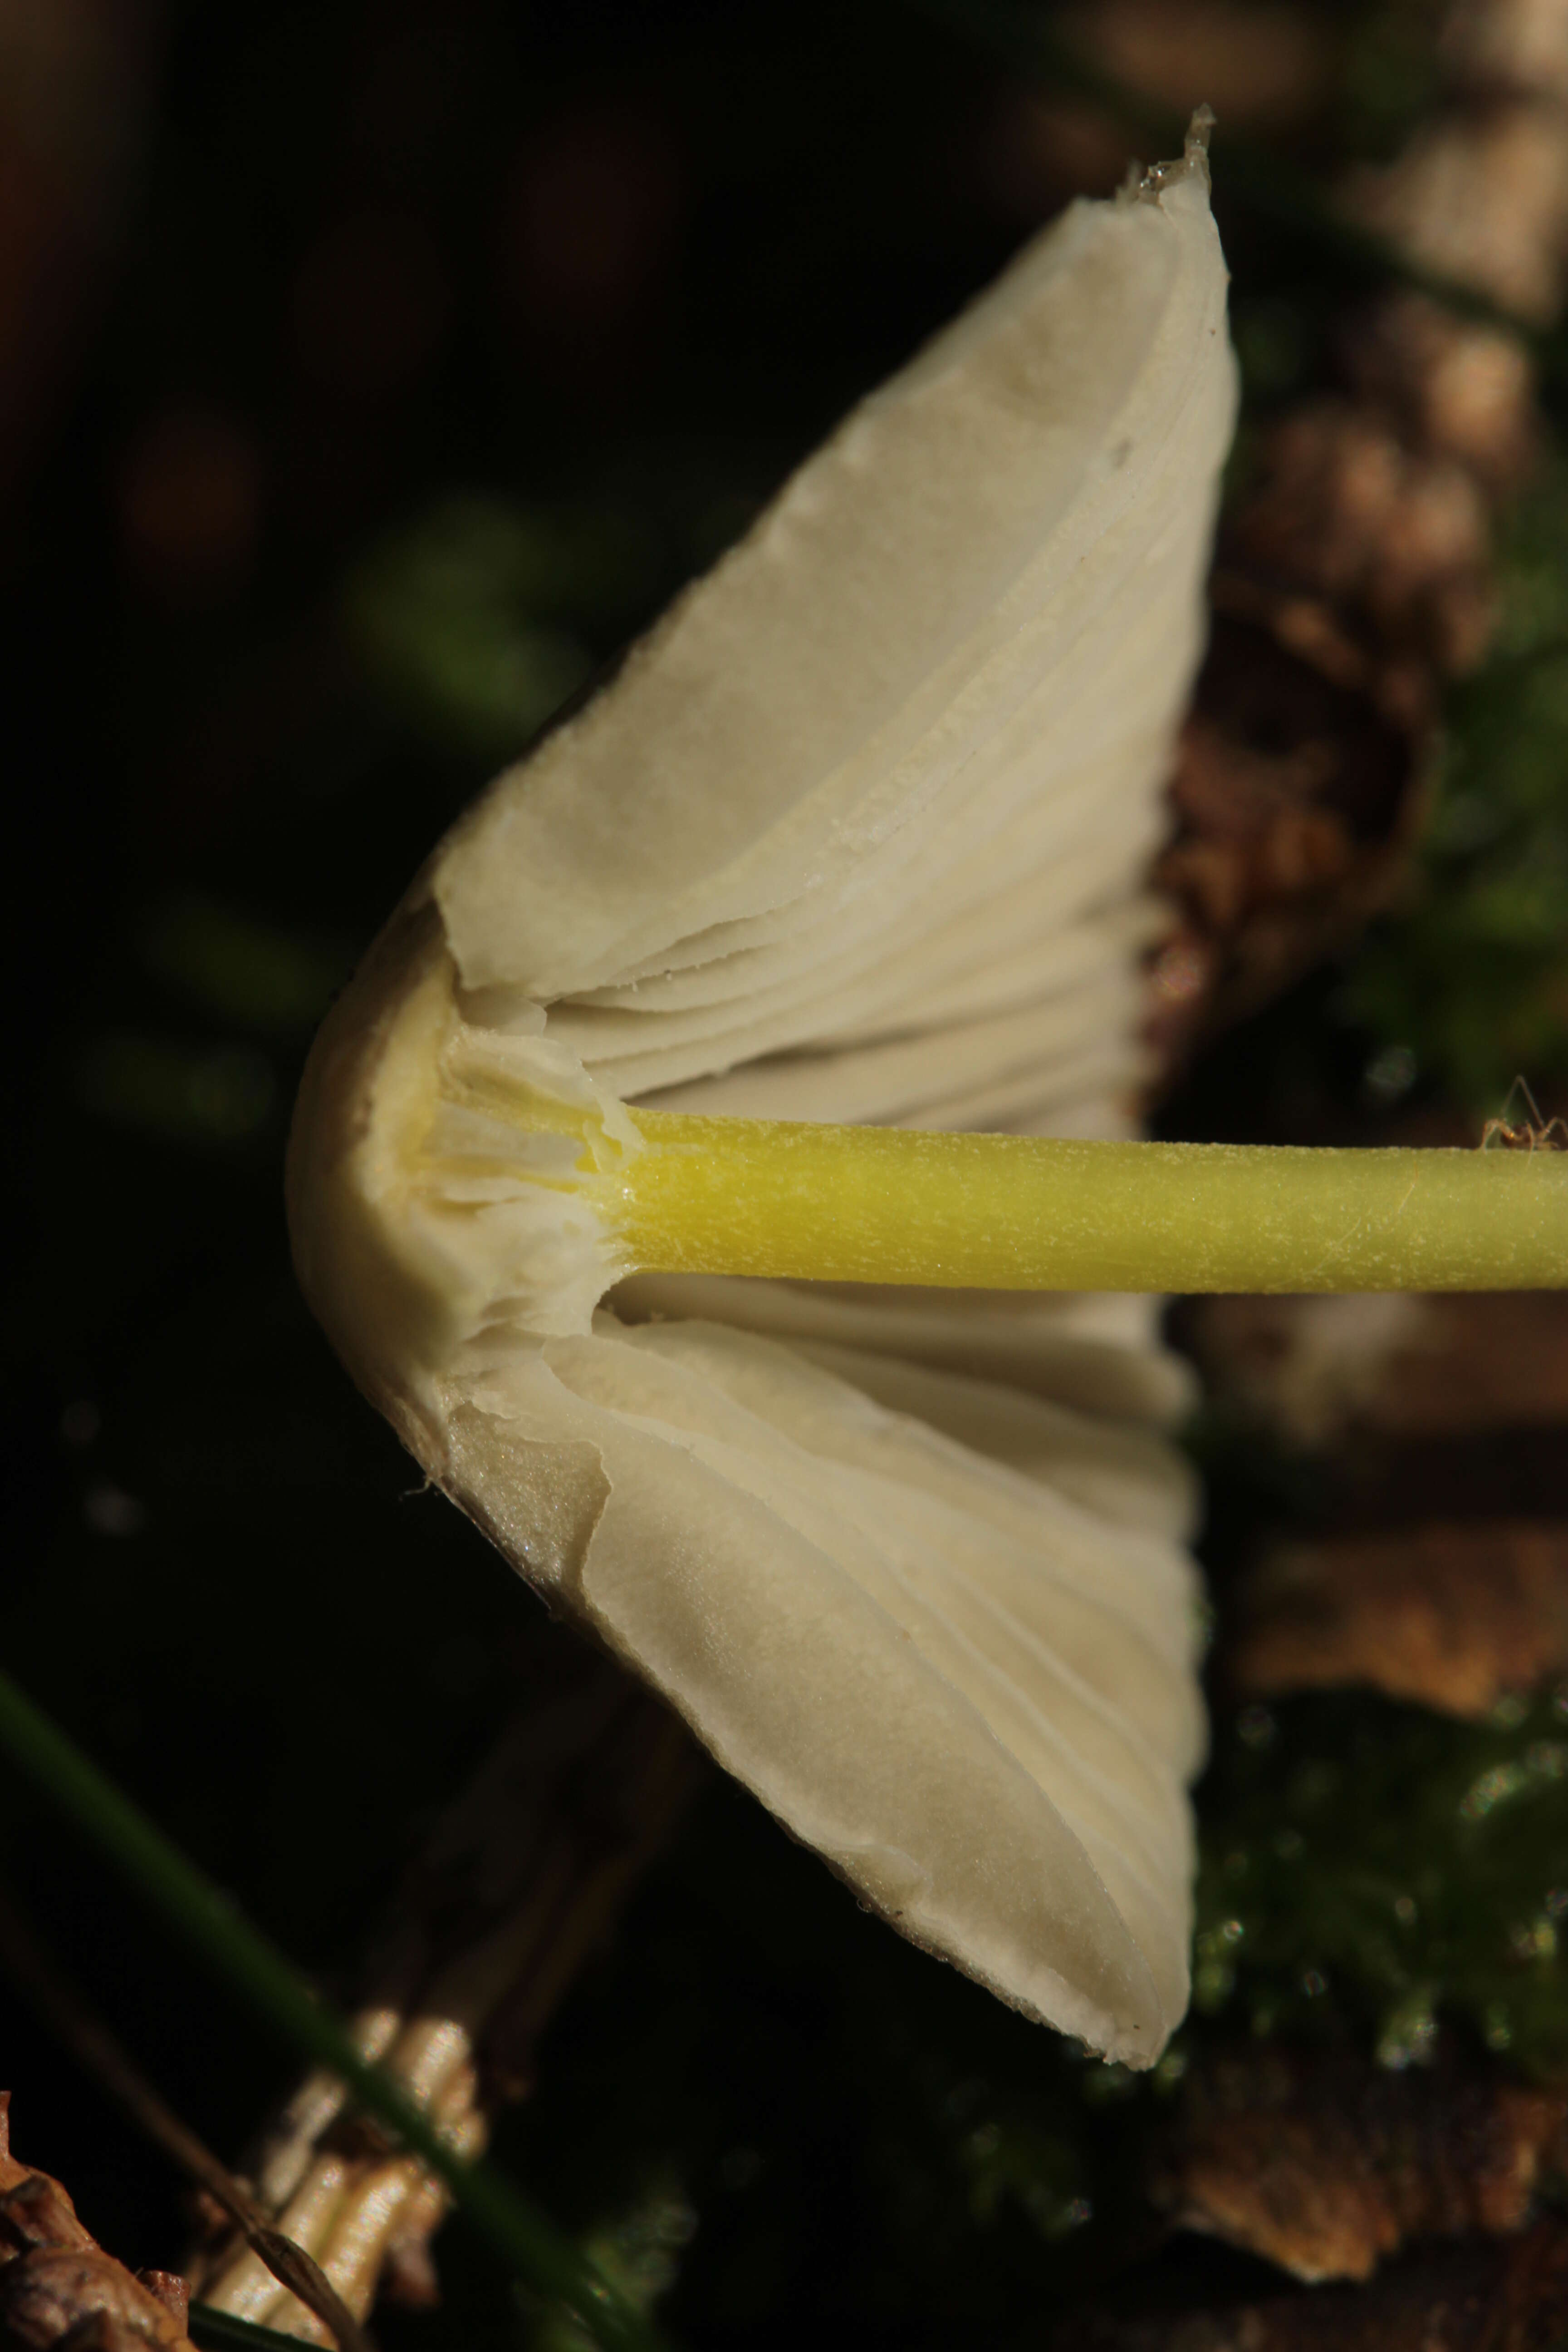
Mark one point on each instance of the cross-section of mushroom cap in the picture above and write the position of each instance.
(857, 834)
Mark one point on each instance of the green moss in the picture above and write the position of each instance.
(869, 2139)
(1374, 1871)
(637, 2248)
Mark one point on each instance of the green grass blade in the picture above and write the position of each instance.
(219, 2331)
(536, 2251)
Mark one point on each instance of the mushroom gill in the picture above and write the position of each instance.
(858, 834)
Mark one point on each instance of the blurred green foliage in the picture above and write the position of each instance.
(261, 975)
(638, 2250)
(448, 613)
(1472, 979)
(186, 1093)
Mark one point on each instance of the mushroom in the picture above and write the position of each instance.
(857, 834)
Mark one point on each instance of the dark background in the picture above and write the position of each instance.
(374, 372)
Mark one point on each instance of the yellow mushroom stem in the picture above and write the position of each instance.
(1001, 1211)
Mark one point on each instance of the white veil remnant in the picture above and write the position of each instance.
(858, 834)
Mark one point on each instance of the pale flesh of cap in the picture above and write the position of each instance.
(857, 834)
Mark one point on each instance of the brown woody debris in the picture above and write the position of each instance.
(1327, 2167)
(1451, 389)
(1354, 582)
(1453, 1617)
(1362, 546)
(1309, 1370)
(1373, 558)
(1482, 198)
(57, 2286)
(1440, 1432)
(1486, 2296)
(1294, 798)
(94, 2047)
(520, 1883)
(1320, 1371)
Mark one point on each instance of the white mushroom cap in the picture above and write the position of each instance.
(858, 832)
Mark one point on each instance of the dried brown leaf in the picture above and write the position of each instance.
(1328, 2166)
(1485, 2295)
(1453, 1617)
(57, 2286)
